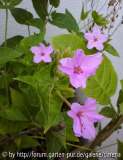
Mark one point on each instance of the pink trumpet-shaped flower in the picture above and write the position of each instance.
(42, 53)
(80, 67)
(96, 39)
(84, 117)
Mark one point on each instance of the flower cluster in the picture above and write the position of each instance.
(79, 68)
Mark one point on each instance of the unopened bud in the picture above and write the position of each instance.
(66, 90)
(56, 55)
(66, 52)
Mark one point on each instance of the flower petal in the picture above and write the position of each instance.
(37, 58)
(90, 105)
(103, 38)
(99, 46)
(74, 80)
(89, 36)
(76, 107)
(91, 63)
(48, 50)
(96, 32)
(46, 58)
(67, 62)
(65, 70)
(42, 46)
(77, 127)
(71, 114)
(93, 116)
(88, 129)
(82, 79)
(35, 50)
(91, 44)
(78, 57)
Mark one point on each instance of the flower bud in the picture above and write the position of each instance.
(66, 52)
(56, 55)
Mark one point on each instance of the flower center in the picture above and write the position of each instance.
(42, 54)
(95, 39)
(79, 113)
(77, 70)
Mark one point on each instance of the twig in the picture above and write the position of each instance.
(57, 128)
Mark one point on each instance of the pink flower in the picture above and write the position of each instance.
(84, 117)
(96, 39)
(42, 53)
(80, 67)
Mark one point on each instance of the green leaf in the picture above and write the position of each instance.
(15, 2)
(81, 35)
(40, 118)
(66, 21)
(33, 97)
(110, 49)
(37, 22)
(21, 16)
(42, 77)
(6, 7)
(7, 54)
(61, 139)
(70, 135)
(27, 142)
(51, 105)
(55, 3)
(120, 98)
(120, 150)
(20, 101)
(121, 81)
(107, 112)
(31, 41)
(1, 3)
(26, 79)
(84, 14)
(121, 107)
(7, 126)
(13, 114)
(5, 80)
(103, 85)
(13, 42)
(55, 145)
(98, 19)
(3, 103)
(40, 8)
(62, 42)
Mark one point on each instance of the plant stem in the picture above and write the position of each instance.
(107, 146)
(5, 44)
(86, 25)
(28, 30)
(64, 99)
(79, 146)
(113, 109)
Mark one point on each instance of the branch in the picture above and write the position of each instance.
(57, 128)
(102, 136)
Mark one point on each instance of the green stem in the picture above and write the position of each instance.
(28, 29)
(5, 44)
(113, 109)
(79, 22)
(79, 147)
(50, 12)
(107, 146)
(86, 25)
(64, 99)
